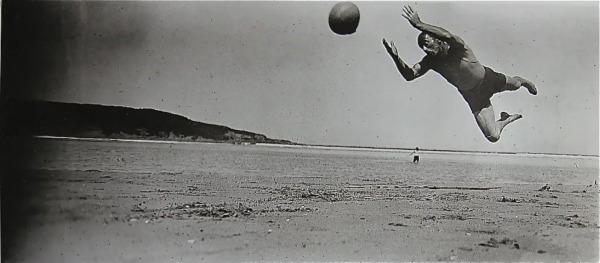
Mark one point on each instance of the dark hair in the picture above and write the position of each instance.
(417, 148)
(421, 39)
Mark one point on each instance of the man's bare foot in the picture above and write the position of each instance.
(504, 116)
(527, 84)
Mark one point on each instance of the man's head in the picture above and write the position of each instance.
(432, 45)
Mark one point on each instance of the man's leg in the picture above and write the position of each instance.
(491, 127)
(514, 83)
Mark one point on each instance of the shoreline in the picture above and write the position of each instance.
(332, 147)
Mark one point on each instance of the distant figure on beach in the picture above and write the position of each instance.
(416, 155)
(449, 56)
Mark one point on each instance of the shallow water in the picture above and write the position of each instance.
(456, 169)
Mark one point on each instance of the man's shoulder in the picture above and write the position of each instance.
(464, 51)
(467, 55)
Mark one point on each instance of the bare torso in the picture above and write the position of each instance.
(460, 68)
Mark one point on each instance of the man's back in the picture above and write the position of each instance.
(460, 67)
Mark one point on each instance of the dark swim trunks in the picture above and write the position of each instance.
(479, 98)
(416, 159)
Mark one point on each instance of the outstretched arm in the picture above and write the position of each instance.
(409, 73)
(443, 34)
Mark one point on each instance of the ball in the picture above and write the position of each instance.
(343, 18)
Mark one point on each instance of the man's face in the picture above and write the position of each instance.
(432, 46)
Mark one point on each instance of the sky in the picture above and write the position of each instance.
(275, 68)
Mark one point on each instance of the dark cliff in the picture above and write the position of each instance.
(99, 121)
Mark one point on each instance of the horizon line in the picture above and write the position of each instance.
(311, 145)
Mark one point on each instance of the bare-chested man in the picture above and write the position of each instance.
(449, 56)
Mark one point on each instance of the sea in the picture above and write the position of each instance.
(280, 161)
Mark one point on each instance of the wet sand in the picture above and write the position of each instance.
(97, 216)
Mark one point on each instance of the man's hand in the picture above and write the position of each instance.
(412, 16)
(409, 73)
(391, 48)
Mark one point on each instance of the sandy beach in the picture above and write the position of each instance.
(221, 215)
(256, 131)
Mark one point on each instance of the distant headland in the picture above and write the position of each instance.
(35, 118)
(93, 121)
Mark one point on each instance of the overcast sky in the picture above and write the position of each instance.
(275, 68)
